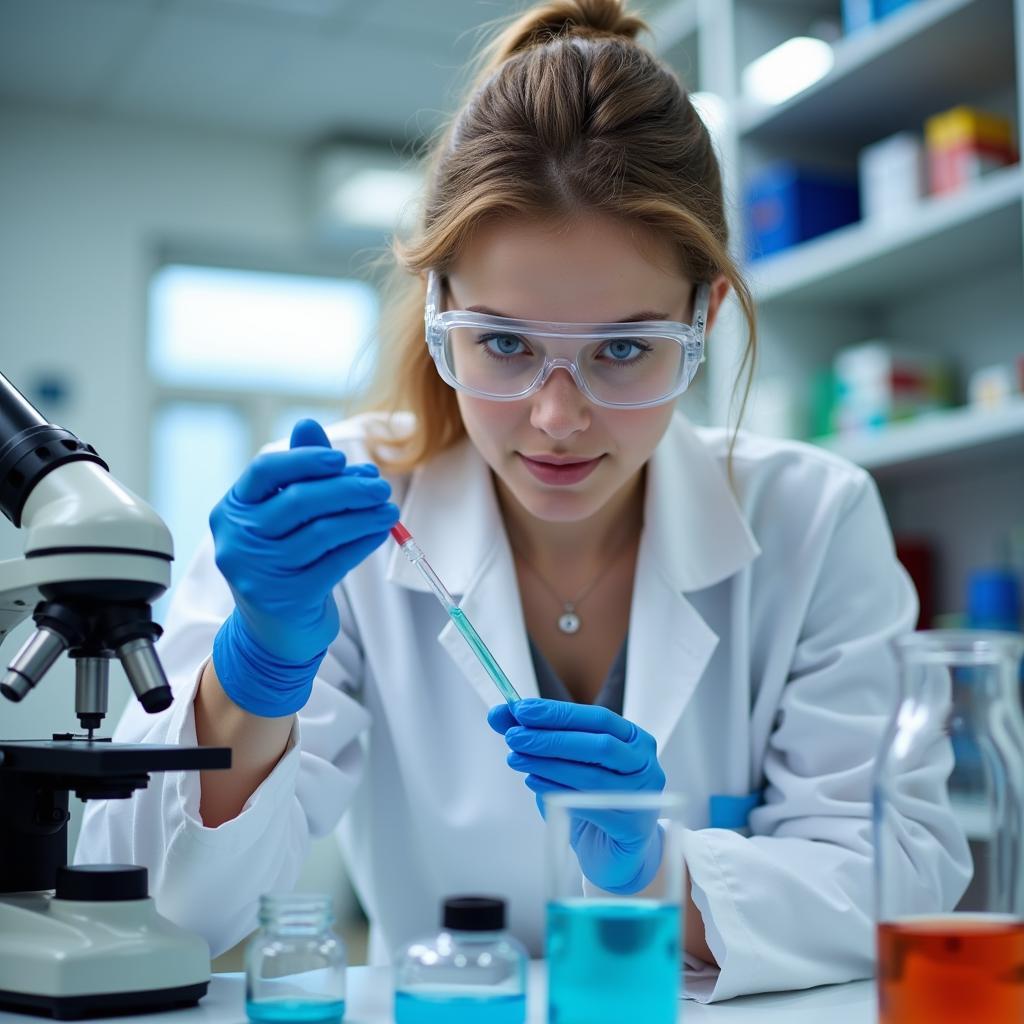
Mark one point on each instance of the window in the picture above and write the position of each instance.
(236, 357)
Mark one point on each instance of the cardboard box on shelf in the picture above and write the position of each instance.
(878, 383)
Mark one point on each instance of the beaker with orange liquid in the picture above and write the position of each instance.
(959, 700)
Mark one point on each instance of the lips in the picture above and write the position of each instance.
(560, 470)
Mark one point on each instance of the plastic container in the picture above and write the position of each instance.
(893, 176)
(787, 204)
(473, 972)
(295, 964)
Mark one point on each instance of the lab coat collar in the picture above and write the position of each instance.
(694, 536)
(693, 526)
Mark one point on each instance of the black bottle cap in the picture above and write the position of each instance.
(474, 914)
(102, 883)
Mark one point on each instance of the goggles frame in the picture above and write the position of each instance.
(689, 336)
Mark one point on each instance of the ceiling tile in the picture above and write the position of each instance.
(63, 51)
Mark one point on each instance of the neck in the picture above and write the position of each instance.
(585, 545)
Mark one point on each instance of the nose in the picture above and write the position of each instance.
(559, 408)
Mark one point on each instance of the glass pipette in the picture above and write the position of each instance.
(455, 613)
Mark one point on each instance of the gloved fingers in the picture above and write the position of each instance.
(308, 432)
(269, 472)
(311, 543)
(538, 713)
(542, 787)
(575, 775)
(306, 501)
(584, 747)
(333, 566)
(500, 718)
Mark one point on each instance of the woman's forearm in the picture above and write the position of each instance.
(256, 746)
(694, 933)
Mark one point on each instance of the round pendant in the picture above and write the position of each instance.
(569, 622)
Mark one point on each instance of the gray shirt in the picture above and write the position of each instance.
(613, 689)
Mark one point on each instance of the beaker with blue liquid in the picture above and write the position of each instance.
(613, 958)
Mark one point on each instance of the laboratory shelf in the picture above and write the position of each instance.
(889, 77)
(877, 260)
(937, 438)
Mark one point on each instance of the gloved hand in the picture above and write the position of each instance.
(563, 747)
(290, 528)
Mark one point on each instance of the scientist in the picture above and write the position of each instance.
(679, 607)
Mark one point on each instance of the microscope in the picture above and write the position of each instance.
(82, 941)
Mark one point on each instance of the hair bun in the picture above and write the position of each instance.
(559, 18)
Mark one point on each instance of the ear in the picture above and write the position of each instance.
(719, 290)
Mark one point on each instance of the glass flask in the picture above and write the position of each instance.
(958, 693)
(295, 964)
(472, 972)
(613, 958)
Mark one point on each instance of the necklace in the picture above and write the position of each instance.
(569, 621)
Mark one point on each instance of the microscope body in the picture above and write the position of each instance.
(86, 940)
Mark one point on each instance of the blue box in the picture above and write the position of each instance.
(858, 14)
(787, 204)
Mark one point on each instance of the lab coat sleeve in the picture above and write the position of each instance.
(209, 880)
(791, 906)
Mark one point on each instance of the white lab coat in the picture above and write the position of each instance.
(758, 657)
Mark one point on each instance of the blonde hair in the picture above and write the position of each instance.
(567, 114)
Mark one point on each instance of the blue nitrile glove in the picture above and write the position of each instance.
(290, 528)
(563, 747)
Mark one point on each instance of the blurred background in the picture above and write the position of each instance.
(195, 196)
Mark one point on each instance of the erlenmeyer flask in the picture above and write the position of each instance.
(959, 693)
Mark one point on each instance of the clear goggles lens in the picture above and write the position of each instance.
(623, 364)
(620, 371)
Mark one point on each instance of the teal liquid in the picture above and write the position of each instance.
(465, 627)
(611, 961)
(305, 1011)
(439, 1009)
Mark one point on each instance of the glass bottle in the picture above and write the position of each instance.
(295, 964)
(473, 972)
(958, 692)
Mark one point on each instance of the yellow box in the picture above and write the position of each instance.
(968, 125)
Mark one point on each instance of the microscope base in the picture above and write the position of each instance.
(111, 1004)
(72, 959)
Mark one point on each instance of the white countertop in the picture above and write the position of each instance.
(370, 1002)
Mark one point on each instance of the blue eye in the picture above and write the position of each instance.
(625, 350)
(502, 345)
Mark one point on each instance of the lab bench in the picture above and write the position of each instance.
(370, 1002)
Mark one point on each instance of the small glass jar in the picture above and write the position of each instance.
(473, 972)
(295, 964)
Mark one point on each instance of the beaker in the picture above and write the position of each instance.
(613, 957)
(958, 692)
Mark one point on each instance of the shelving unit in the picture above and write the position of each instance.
(939, 441)
(979, 229)
(947, 278)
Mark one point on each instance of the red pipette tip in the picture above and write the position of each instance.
(400, 533)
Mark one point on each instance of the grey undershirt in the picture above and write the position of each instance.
(613, 689)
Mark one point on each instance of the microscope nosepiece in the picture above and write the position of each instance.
(146, 674)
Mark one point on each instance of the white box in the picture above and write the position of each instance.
(893, 176)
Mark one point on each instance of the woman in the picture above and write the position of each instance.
(679, 607)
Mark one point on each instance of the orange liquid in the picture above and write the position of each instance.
(955, 969)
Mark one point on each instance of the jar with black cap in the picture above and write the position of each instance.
(472, 972)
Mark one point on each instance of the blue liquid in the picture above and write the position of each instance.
(438, 1009)
(306, 1011)
(611, 961)
(465, 627)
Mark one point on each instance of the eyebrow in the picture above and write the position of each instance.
(634, 318)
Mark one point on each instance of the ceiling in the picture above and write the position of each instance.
(303, 71)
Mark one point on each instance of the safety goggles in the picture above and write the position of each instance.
(620, 366)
